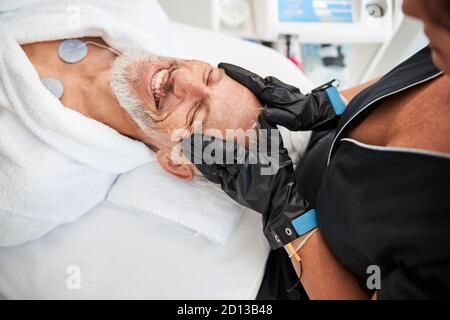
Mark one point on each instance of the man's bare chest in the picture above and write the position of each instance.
(78, 79)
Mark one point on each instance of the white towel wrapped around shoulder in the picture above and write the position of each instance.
(55, 163)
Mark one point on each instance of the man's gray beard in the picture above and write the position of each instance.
(126, 74)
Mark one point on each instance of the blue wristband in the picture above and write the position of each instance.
(335, 100)
(305, 223)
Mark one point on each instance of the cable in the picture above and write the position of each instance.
(104, 47)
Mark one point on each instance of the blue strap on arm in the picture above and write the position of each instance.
(305, 223)
(335, 100)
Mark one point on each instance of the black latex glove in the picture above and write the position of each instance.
(286, 105)
(275, 196)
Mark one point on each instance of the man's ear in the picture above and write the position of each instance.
(180, 170)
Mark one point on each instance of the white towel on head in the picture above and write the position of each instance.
(140, 24)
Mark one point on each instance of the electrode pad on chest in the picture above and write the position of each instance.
(70, 51)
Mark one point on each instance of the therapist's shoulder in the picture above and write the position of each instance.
(350, 93)
(423, 122)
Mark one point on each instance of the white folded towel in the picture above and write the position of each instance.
(197, 207)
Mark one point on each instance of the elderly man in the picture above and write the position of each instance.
(84, 104)
(146, 97)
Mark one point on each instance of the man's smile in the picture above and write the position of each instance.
(155, 78)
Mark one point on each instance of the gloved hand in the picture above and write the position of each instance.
(286, 105)
(248, 180)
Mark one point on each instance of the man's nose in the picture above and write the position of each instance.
(188, 85)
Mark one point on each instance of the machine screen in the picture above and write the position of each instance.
(315, 11)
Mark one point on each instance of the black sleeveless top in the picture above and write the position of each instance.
(384, 207)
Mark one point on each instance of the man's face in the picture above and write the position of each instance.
(436, 16)
(165, 95)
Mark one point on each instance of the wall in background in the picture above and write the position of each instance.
(367, 60)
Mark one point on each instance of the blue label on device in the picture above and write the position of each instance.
(315, 10)
(306, 222)
(336, 100)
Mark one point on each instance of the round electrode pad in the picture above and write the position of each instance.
(54, 86)
(72, 50)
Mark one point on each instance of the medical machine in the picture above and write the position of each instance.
(312, 21)
(324, 21)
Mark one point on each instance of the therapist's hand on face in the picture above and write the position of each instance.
(284, 104)
(245, 176)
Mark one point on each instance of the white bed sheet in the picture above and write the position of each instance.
(123, 254)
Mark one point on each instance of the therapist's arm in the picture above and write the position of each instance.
(322, 276)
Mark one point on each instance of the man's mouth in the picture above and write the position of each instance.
(156, 82)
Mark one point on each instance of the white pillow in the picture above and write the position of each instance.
(197, 206)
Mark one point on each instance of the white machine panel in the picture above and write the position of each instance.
(319, 21)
